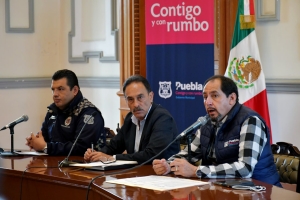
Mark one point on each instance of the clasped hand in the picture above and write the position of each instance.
(36, 142)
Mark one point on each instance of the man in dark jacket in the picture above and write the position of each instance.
(70, 115)
(234, 143)
(147, 129)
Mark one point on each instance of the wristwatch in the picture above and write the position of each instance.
(198, 173)
(45, 150)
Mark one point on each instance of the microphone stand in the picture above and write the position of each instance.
(11, 153)
(66, 162)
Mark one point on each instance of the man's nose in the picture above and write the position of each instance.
(208, 101)
(54, 93)
(135, 103)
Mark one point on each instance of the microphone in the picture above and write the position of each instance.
(66, 162)
(24, 118)
(200, 122)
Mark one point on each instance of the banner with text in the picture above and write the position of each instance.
(180, 55)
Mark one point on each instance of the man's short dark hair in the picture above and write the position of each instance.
(138, 79)
(69, 75)
(228, 86)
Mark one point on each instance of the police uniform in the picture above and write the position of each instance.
(61, 127)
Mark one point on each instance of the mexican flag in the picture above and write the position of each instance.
(244, 64)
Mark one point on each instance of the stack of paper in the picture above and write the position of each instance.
(119, 164)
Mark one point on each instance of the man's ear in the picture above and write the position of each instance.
(75, 90)
(151, 95)
(232, 98)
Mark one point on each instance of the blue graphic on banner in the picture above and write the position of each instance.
(176, 73)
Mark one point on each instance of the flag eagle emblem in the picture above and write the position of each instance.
(244, 72)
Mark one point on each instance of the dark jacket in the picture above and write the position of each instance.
(159, 130)
(61, 127)
(265, 169)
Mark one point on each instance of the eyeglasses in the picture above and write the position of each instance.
(256, 188)
(107, 160)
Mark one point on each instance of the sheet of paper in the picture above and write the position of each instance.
(160, 183)
(95, 164)
(33, 153)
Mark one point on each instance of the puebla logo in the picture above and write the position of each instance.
(165, 90)
(244, 72)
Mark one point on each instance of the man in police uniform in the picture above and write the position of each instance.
(65, 120)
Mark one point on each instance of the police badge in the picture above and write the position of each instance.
(165, 90)
(68, 121)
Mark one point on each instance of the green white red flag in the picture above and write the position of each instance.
(244, 64)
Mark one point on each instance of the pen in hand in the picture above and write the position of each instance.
(92, 147)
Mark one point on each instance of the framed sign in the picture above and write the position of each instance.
(267, 10)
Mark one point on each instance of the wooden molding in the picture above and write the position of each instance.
(225, 14)
(132, 45)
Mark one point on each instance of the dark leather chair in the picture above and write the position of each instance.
(287, 160)
(109, 134)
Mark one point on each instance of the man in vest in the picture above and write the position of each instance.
(234, 143)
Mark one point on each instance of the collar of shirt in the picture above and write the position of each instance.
(139, 130)
(219, 123)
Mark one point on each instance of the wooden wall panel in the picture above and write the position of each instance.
(225, 13)
(133, 45)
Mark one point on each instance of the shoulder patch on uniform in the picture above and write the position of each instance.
(88, 120)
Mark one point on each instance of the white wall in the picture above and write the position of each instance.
(40, 54)
(284, 111)
(279, 45)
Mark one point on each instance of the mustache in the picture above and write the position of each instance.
(137, 109)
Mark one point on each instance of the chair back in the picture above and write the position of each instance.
(287, 160)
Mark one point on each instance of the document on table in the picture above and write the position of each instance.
(96, 164)
(32, 153)
(160, 183)
(119, 164)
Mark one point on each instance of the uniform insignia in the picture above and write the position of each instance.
(244, 72)
(68, 121)
(86, 118)
(165, 90)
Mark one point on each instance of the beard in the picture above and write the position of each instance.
(216, 119)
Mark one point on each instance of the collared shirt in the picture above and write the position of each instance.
(252, 141)
(139, 130)
(217, 126)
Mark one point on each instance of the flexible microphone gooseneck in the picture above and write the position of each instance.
(203, 122)
(66, 162)
(23, 118)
